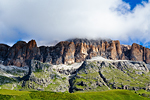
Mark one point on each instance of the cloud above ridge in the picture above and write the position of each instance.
(49, 20)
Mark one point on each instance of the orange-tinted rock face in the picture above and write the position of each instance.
(140, 53)
(136, 52)
(31, 44)
(15, 53)
(147, 55)
(69, 52)
(21, 52)
(32, 50)
(103, 46)
(113, 50)
(81, 52)
(118, 47)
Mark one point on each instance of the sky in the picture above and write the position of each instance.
(58, 20)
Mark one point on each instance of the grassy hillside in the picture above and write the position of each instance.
(91, 76)
(43, 77)
(45, 95)
(105, 75)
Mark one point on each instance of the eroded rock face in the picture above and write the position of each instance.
(126, 49)
(140, 53)
(3, 51)
(68, 52)
(32, 50)
(16, 54)
(146, 55)
(136, 52)
(21, 53)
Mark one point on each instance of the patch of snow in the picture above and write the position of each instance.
(67, 67)
(100, 58)
(97, 58)
(77, 65)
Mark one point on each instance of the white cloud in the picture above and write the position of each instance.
(48, 20)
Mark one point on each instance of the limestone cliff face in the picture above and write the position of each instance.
(118, 49)
(16, 54)
(70, 51)
(136, 52)
(146, 55)
(32, 50)
(126, 49)
(69, 54)
(140, 53)
(3, 51)
(21, 53)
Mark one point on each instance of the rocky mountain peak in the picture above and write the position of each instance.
(31, 44)
(71, 51)
(19, 45)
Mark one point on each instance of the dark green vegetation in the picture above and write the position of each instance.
(45, 95)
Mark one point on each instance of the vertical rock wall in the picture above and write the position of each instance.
(68, 52)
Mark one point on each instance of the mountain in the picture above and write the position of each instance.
(74, 65)
(96, 74)
(71, 51)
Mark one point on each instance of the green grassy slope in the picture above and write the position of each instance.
(43, 77)
(45, 95)
(94, 77)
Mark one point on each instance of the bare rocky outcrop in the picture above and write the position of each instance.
(3, 51)
(71, 51)
(136, 52)
(105, 74)
(21, 53)
(91, 75)
(140, 53)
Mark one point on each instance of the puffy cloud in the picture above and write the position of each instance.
(49, 20)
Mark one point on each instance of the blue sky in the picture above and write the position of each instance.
(50, 20)
(134, 3)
